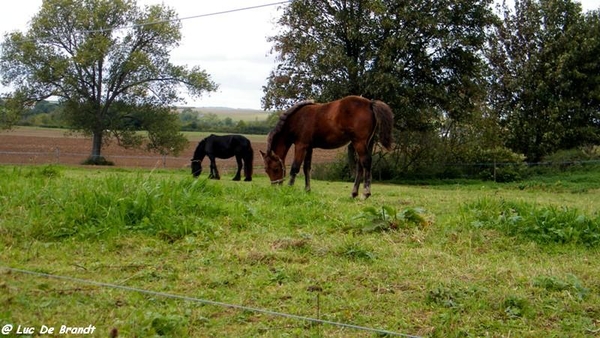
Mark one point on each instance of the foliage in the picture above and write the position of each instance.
(523, 80)
(545, 225)
(10, 111)
(567, 157)
(543, 76)
(337, 170)
(388, 218)
(108, 67)
(392, 51)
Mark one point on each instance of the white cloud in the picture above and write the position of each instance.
(231, 47)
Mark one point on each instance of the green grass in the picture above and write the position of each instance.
(466, 259)
(236, 114)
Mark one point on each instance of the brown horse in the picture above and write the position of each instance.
(309, 125)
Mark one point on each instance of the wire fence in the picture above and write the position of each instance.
(380, 332)
(59, 157)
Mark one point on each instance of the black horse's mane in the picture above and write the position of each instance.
(282, 118)
(200, 152)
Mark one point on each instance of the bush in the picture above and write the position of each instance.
(97, 160)
(338, 170)
(573, 158)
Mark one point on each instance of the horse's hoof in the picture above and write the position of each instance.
(236, 178)
(248, 179)
(354, 194)
(365, 196)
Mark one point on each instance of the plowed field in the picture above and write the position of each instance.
(43, 146)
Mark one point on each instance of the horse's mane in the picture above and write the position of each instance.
(200, 151)
(282, 118)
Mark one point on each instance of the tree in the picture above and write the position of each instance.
(9, 113)
(421, 57)
(578, 84)
(107, 61)
(544, 82)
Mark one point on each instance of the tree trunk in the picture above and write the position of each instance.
(96, 146)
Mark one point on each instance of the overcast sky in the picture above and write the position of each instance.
(231, 47)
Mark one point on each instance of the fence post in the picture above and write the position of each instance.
(57, 155)
(494, 168)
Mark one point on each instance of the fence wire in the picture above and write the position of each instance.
(208, 302)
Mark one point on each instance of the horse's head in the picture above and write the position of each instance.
(273, 166)
(196, 167)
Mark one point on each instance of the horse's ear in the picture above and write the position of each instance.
(262, 153)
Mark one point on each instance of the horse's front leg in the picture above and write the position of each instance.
(239, 168)
(214, 172)
(299, 153)
(307, 165)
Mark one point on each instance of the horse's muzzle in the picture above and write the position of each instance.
(279, 181)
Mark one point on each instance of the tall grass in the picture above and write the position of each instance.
(446, 260)
(48, 206)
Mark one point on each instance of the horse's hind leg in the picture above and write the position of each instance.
(357, 179)
(367, 163)
(358, 171)
(307, 165)
(237, 176)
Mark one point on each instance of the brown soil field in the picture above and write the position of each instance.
(25, 145)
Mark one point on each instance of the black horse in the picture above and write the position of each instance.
(225, 146)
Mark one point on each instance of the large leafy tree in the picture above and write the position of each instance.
(421, 57)
(578, 84)
(544, 80)
(107, 61)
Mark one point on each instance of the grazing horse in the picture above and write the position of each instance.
(307, 125)
(225, 146)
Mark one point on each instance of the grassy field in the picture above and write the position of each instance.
(468, 259)
(246, 115)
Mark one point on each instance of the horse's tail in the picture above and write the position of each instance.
(385, 121)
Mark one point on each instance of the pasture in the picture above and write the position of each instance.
(246, 115)
(467, 259)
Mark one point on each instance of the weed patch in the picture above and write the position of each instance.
(544, 225)
(388, 218)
